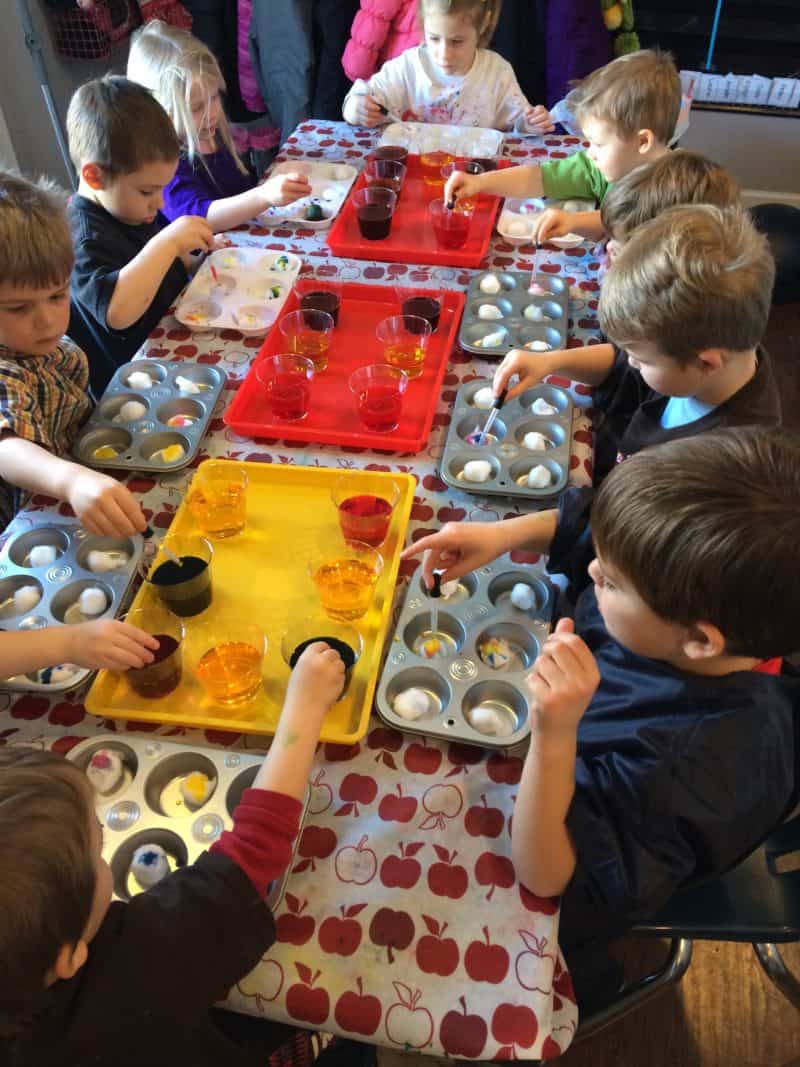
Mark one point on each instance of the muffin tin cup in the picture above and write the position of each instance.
(147, 808)
(166, 400)
(330, 183)
(512, 300)
(460, 681)
(60, 583)
(508, 457)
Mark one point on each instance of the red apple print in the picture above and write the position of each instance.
(357, 1013)
(186, 351)
(441, 802)
(494, 870)
(513, 1025)
(436, 954)
(139, 484)
(356, 789)
(321, 795)
(397, 808)
(356, 864)
(221, 737)
(507, 770)
(483, 821)
(462, 1034)
(391, 929)
(341, 937)
(316, 843)
(550, 1049)
(463, 756)
(263, 984)
(402, 871)
(305, 1003)
(341, 753)
(421, 512)
(534, 966)
(562, 983)
(422, 759)
(543, 905)
(485, 962)
(179, 333)
(30, 707)
(66, 714)
(385, 741)
(450, 514)
(407, 1024)
(434, 484)
(447, 878)
(293, 927)
(63, 745)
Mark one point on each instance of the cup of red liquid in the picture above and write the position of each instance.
(379, 391)
(286, 379)
(451, 227)
(328, 299)
(160, 677)
(391, 151)
(374, 209)
(365, 508)
(385, 174)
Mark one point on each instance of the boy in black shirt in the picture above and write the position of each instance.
(130, 265)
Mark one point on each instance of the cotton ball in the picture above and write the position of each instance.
(186, 385)
(533, 312)
(412, 704)
(132, 410)
(42, 555)
(56, 675)
(522, 597)
(489, 722)
(491, 340)
(100, 562)
(26, 598)
(140, 379)
(518, 229)
(538, 346)
(149, 865)
(537, 290)
(539, 477)
(169, 454)
(92, 601)
(541, 407)
(490, 284)
(495, 653)
(196, 788)
(450, 588)
(484, 398)
(477, 470)
(489, 311)
(535, 441)
(106, 770)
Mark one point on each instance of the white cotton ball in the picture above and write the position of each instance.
(541, 407)
(42, 555)
(539, 477)
(106, 769)
(538, 346)
(477, 470)
(26, 598)
(489, 311)
(491, 340)
(484, 398)
(522, 597)
(450, 589)
(92, 601)
(186, 385)
(489, 722)
(490, 284)
(535, 441)
(132, 410)
(100, 562)
(412, 704)
(533, 312)
(62, 673)
(140, 379)
(518, 229)
(149, 865)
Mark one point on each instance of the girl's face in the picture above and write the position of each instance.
(206, 107)
(451, 41)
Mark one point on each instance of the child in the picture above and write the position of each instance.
(43, 404)
(451, 78)
(685, 306)
(663, 747)
(129, 265)
(211, 180)
(382, 30)
(87, 981)
(628, 110)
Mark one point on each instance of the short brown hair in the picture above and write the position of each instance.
(692, 279)
(120, 126)
(707, 529)
(48, 882)
(676, 178)
(639, 91)
(483, 13)
(35, 242)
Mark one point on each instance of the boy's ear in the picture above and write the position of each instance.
(646, 140)
(712, 359)
(703, 640)
(68, 962)
(92, 174)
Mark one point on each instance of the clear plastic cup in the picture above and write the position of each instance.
(365, 507)
(164, 674)
(385, 174)
(226, 655)
(450, 226)
(379, 391)
(346, 578)
(286, 379)
(374, 209)
(405, 342)
(307, 332)
(218, 498)
(186, 588)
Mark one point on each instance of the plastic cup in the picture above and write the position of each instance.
(451, 227)
(385, 174)
(468, 166)
(227, 658)
(365, 510)
(345, 578)
(424, 303)
(218, 499)
(324, 297)
(341, 636)
(307, 332)
(379, 391)
(374, 208)
(164, 674)
(186, 589)
(432, 164)
(286, 379)
(391, 151)
(405, 342)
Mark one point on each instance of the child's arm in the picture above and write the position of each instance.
(103, 643)
(590, 365)
(556, 223)
(562, 683)
(274, 192)
(522, 182)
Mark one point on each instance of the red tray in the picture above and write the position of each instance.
(333, 418)
(411, 239)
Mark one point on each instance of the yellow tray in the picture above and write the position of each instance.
(261, 573)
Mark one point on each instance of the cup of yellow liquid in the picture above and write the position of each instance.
(227, 657)
(218, 499)
(405, 341)
(432, 163)
(345, 578)
(308, 333)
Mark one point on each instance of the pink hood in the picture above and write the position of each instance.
(381, 30)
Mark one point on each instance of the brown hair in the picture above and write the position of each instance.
(483, 13)
(639, 91)
(49, 877)
(119, 125)
(676, 178)
(707, 529)
(692, 279)
(35, 242)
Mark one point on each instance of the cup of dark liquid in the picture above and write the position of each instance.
(395, 152)
(185, 588)
(374, 209)
(328, 300)
(365, 507)
(340, 636)
(385, 174)
(164, 674)
(420, 304)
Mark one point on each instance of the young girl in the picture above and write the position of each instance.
(451, 78)
(211, 180)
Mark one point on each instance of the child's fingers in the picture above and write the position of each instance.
(130, 508)
(115, 517)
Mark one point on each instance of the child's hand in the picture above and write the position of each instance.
(362, 110)
(189, 233)
(109, 643)
(317, 679)
(104, 506)
(460, 184)
(562, 682)
(284, 188)
(538, 119)
(457, 549)
(550, 223)
(531, 367)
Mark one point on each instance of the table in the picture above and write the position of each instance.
(402, 922)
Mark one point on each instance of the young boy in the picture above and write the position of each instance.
(43, 404)
(663, 747)
(129, 264)
(627, 110)
(87, 981)
(685, 306)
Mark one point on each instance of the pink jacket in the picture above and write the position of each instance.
(381, 30)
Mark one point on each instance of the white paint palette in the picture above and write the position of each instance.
(330, 183)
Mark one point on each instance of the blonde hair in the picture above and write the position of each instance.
(35, 242)
(169, 61)
(483, 14)
(676, 178)
(694, 278)
(639, 91)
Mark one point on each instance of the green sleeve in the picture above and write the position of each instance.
(573, 178)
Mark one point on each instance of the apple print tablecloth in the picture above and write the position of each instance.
(403, 922)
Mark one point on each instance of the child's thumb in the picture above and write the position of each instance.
(565, 626)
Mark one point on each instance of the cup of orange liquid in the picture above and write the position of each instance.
(308, 333)
(227, 657)
(345, 578)
(218, 499)
(432, 163)
(468, 166)
(405, 341)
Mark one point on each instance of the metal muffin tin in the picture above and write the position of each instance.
(460, 681)
(421, 137)
(330, 183)
(61, 583)
(511, 300)
(508, 457)
(148, 808)
(140, 439)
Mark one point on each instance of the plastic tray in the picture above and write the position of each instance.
(330, 184)
(460, 680)
(512, 300)
(522, 212)
(261, 573)
(140, 812)
(166, 399)
(509, 459)
(411, 239)
(246, 278)
(332, 418)
(61, 584)
(421, 137)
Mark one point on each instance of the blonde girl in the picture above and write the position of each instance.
(211, 180)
